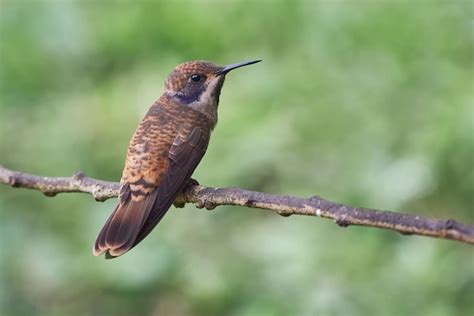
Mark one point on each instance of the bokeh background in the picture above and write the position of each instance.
(365, 103)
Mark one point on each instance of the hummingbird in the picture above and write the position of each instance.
(163, 153)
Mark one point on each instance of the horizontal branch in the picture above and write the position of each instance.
(205, 197)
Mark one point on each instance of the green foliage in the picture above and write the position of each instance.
(368, 104)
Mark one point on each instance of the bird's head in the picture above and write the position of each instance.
(198, 84)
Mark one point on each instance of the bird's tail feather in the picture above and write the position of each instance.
(121, 229)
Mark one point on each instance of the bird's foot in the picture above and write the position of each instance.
(180, 201)
(192, 182)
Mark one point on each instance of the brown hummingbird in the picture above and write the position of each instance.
(167, 146)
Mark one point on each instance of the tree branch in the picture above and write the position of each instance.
(209, 198)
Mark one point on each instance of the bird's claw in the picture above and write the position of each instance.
(192, 182)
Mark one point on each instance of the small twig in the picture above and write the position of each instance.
(205, 197)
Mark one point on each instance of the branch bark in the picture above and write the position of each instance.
(209, 198)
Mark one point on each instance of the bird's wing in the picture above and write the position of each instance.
(185, 154)
(159, 163)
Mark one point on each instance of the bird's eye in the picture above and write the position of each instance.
(195, 78)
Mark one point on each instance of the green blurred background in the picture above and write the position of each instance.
(364, 103)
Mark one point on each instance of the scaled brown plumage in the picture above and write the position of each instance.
(167, 146)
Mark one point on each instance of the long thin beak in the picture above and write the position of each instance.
(230, 67)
